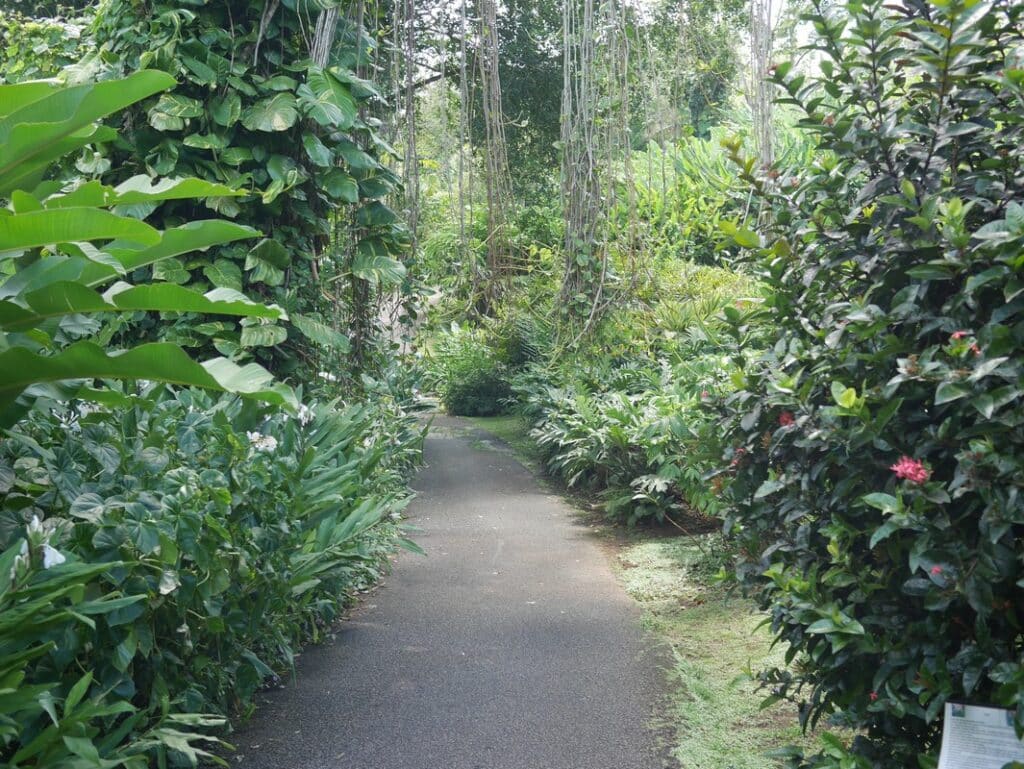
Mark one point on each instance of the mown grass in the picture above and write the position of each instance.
(714, 711)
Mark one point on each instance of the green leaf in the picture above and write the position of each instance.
(341, 186)
(263, 336)
(224, 273)
(375, 214)
(948, 391)
(327, 100)
(846, 397)
(316, 151)
(321, 333)
(373, 266)
(29, 132)
(65, 225)
(269, 251)
(887, 503)
(179, 106)
(158, 361)
(277, 113)
(227, 110)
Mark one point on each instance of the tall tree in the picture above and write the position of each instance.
(497, 180)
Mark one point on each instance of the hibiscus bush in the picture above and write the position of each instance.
(877, 448)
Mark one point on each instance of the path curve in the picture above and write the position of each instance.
(510, 646)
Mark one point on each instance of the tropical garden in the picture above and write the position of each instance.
(748, 272)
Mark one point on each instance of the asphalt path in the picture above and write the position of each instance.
(509, 646)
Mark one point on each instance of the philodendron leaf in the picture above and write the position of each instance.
(321, 333)
(327, 100)
(375, 267)
(158, 362)
(277, 113)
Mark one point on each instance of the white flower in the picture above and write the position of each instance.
(85, 409)
(35, 526)
(260, 442)
(52, 557)
(305, 414)
(328, 376)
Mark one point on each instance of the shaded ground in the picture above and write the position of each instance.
(510, 646)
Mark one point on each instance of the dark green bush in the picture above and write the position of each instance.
(878, 446)
(470, 379)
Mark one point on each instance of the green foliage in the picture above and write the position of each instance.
(298, 144)
(59, 245)
(877, 445)
(35, 48)
(644, 438)
(469, 377)
(178, 551)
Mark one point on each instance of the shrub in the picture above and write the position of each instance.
(177, 553)
(878, 444)
(646, 449)
(470, 379)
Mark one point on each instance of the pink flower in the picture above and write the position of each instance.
(786, 419)
(959, 334)
(704, 394)
(737, 457)
(873, 696)
(975, 349)
(936, 570)
(911, 469)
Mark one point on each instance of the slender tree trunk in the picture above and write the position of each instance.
(497, 179)
(761, 35)
(581, 184)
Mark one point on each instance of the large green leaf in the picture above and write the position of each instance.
(65, 225)
(262, 336)
(321, 333)
(227, 110)
(138, 190)
(341, 185)
(65, 298)
(27, 132)
(327, 100)
(373, 265)
(276, 113)
(194, 236)
(159, 362)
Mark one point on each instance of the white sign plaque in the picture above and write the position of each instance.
(976, 737)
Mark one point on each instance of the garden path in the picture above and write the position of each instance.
(509, 646)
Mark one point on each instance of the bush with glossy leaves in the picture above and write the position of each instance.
(877, 447)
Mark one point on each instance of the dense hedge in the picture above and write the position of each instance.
(178, 552)
(878, 451)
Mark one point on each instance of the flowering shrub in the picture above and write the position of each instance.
(878, 452)
(169, 556)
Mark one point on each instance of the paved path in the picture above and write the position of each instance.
(510, 646)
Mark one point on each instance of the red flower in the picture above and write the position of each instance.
(737, 456)
(958, 334)
(936, 570)
(786, 419)
(911, 469)
(873, 696)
